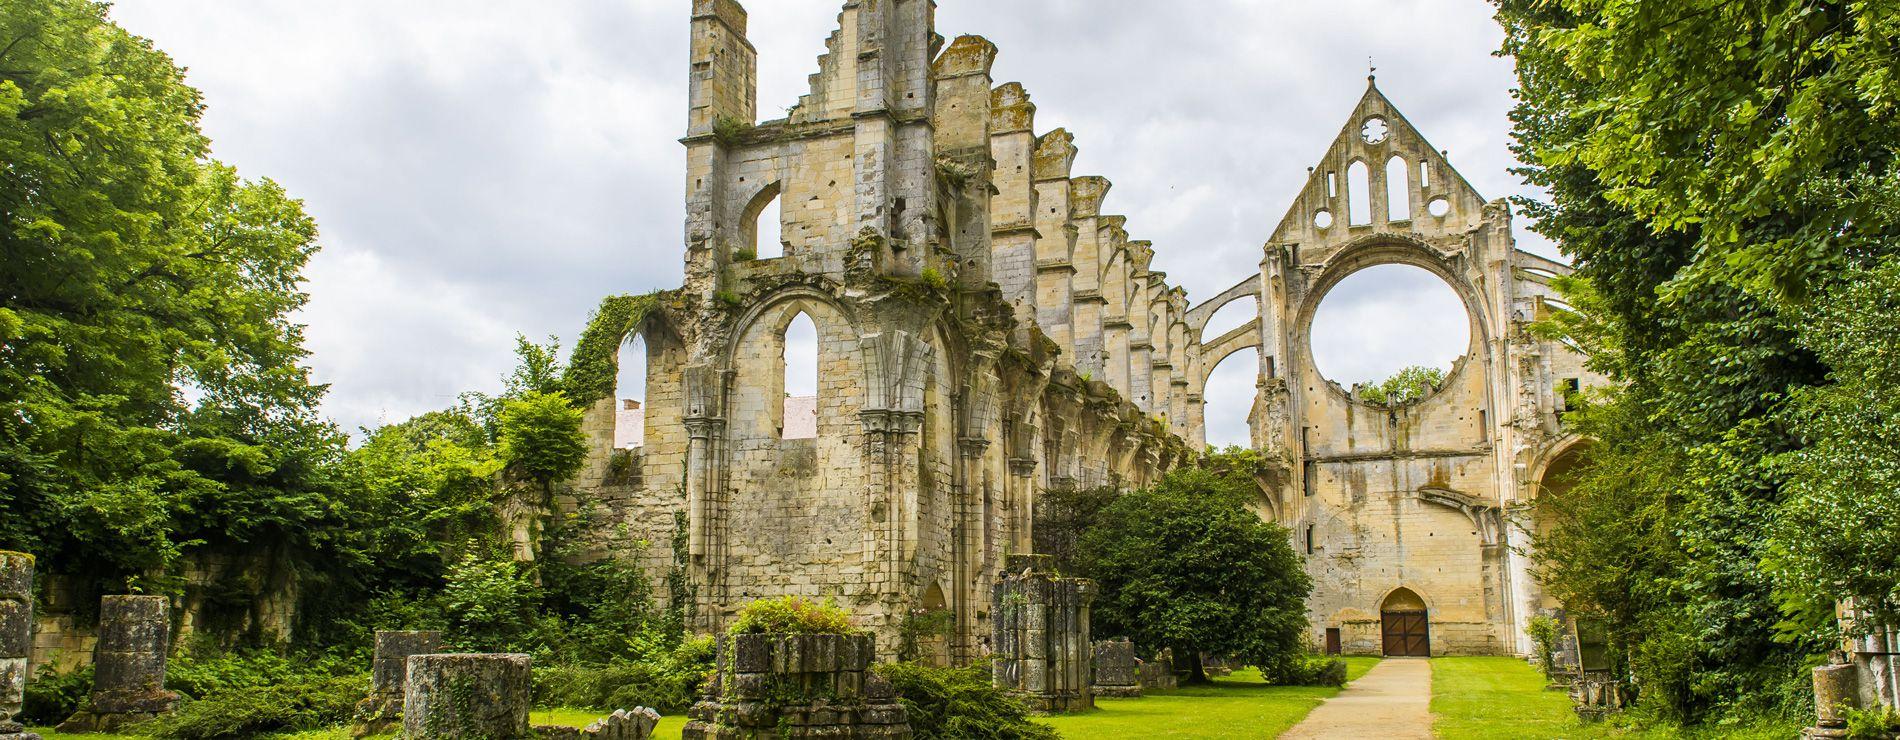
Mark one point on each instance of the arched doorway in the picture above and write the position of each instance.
(1405, 625)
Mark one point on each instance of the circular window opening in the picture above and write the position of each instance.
(1390, 332)
(1438, 207)
(1323, 219)
(1375, 130)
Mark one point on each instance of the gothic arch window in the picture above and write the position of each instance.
(1359, 193)
(630, 391)
(1398, 190)
(799, 419)
(762, 223)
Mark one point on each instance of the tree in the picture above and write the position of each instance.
(541, 437)
(1405, 386)
(1712, 166)
(152, 397)
(1185, 565)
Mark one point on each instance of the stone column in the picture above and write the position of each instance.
(129, 665)
(381, 711)
(1042, 635)
(1116, 669)
(479, 696)
(16, 639)
(1836, 690)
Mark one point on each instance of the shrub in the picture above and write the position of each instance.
(1544, 632)
(247, 712)
(1308, 670)
(793, 615)
(52, 696)
(1879, 723)
(667, 682)
(205, 672)
(960, 704)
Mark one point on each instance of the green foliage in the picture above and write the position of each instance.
(1838, 532)
(493, 605)
(667, 680)
(791, 615)
(960, 704)
(1545, 633)
(1063, 515)
(934, 278)
(1186, 565)
(52, 696)
(305, 704)
(1878, 723)
(921, 625)
(1713, 167)
(1312, 670)
(745, 254)
(728, 130)
(1405, 386)
(728, 298)
(594, 366)
(541, 437)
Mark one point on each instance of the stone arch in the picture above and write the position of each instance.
(749, 217)
(1392, 249)
(1198, 316)
(1405, 623)
(756, 357)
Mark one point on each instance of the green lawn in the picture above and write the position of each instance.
(1504, 698)
(669, 728)
(1238, 706)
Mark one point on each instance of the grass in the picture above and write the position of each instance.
(668, 729)
(1504, 698)
(1237, 706)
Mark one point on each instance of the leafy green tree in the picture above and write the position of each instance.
(1408, 384)
(152, 398)
(1712, 166)
(1185, 565)
(541, 437)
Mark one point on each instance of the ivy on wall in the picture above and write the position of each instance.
(592, 369)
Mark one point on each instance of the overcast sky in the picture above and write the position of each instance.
(481, 168)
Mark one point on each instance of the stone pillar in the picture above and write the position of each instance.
(381, 711)
(128, 664)
(1116, 670)
(1836, 690)
(797, 686)
(1042, 635)
(1159, 673)
(16, 639)
(479, 696)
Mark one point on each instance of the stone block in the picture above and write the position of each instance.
(481, 695)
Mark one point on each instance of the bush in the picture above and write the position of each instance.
(52, 696)
(204, 673)
(960, 704)
(791, 615)
(248, 712)
(1545, 632)
(1308, 670)
(667, 682)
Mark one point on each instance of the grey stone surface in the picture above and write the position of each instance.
(389, 670)
(128, 665)
(468, 696)
(1042, 635)
(797, 686)
(1117, 672)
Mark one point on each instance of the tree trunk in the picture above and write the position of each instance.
(1197, 674)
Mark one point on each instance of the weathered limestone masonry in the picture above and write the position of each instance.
(917, 238)
(1117, 672)
(1042, 635)
(797, 686)
(16, 639)
(989, 329)
(1412, 517)
(129, 665)
(389, 678)
(472, 696)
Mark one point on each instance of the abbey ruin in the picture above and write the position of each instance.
(988, 329)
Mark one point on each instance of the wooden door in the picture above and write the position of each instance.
(1332, 641)
(1407, 634)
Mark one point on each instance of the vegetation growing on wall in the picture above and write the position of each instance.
(592, 369)
(1405, 386)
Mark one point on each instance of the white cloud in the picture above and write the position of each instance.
(482, 167)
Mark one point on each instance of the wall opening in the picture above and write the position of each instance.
(800, 420)
(1228, 399)
(764, 222)
(1359, 194)
(1385, 319)
(1230, 317)
(1406, 625)
(1398, 190)
(630, 394)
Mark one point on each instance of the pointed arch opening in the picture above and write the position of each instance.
(1229, 398)
(1359, 194)
(800, 412)
(630, 394)
(1405, 623)
(1398, 189)
(761, 235)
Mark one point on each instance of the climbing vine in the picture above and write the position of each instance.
(591, 370)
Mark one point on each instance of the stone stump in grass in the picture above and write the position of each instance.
(1041, 631)
(635, 724)
(381, 711)
(1117, 672)
(483, 696)
(1836, 690)
(16, 639)
(1159, 673)
(128, 665)
(797, 686)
